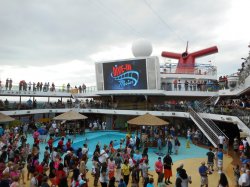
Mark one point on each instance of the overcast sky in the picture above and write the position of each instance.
(60, 40)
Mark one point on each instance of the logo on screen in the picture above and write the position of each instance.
(125, 75)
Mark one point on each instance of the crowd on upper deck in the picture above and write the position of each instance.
(40, 86)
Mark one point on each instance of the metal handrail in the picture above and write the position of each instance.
(212, 124)
(204, 127)
(203, 106)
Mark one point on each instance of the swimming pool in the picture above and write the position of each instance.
(101, 137)
(92, 138)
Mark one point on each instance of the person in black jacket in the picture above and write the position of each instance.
(167, 163)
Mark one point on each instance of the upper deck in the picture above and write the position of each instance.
(201, 71)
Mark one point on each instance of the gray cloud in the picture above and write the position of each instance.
(40, 33)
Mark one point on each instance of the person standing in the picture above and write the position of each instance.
(95, 169)
(170, 145)
(186, 85)
(220, 160)
(159, 166)
(10, 84)
(0, 85)
(236, 146)
(125, 171)
(203, 171)
(244, 180)
(145, 174)
(111, 168)
(83, 88)
(175, 84)
(104, 179)
(159, 144)
(167, 163)
(118, 162)
(68, 87)
(179, 85)
(182, 179)
(210, 159)
(7, 84)
(216, 157)
(177, 144)
(221, 141)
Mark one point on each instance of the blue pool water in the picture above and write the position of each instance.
(104, 137)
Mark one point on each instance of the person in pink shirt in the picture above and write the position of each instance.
(35, 135)
(111, 167)
(14, 173)
(15, 182)
(159, 166)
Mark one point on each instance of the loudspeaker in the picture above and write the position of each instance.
(153, 73)
(99, 76)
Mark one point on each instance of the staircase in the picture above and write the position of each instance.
(207, 126)
(203, 106)
(77, 102)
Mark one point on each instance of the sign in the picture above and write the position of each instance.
(125, 75)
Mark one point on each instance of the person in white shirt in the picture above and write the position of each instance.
(131, 163)
(221, 141)
(33, 180)
(103, 155)
(85, 149)
(244, 141)
(244, 179)
(54, 125)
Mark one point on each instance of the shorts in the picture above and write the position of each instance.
(221, 146)
(220, 163)
(204, 181)
(210, 164)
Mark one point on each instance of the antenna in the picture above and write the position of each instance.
(187, 47)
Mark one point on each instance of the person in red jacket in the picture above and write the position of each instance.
(60, 145)
(68, 144)
(50, 143)
(159, 166)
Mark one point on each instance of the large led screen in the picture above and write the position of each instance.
(125, 75)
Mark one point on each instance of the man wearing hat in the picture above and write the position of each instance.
(203, 170)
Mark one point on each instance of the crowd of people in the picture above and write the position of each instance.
(40, 86)
(62, 165)
(192, 85)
